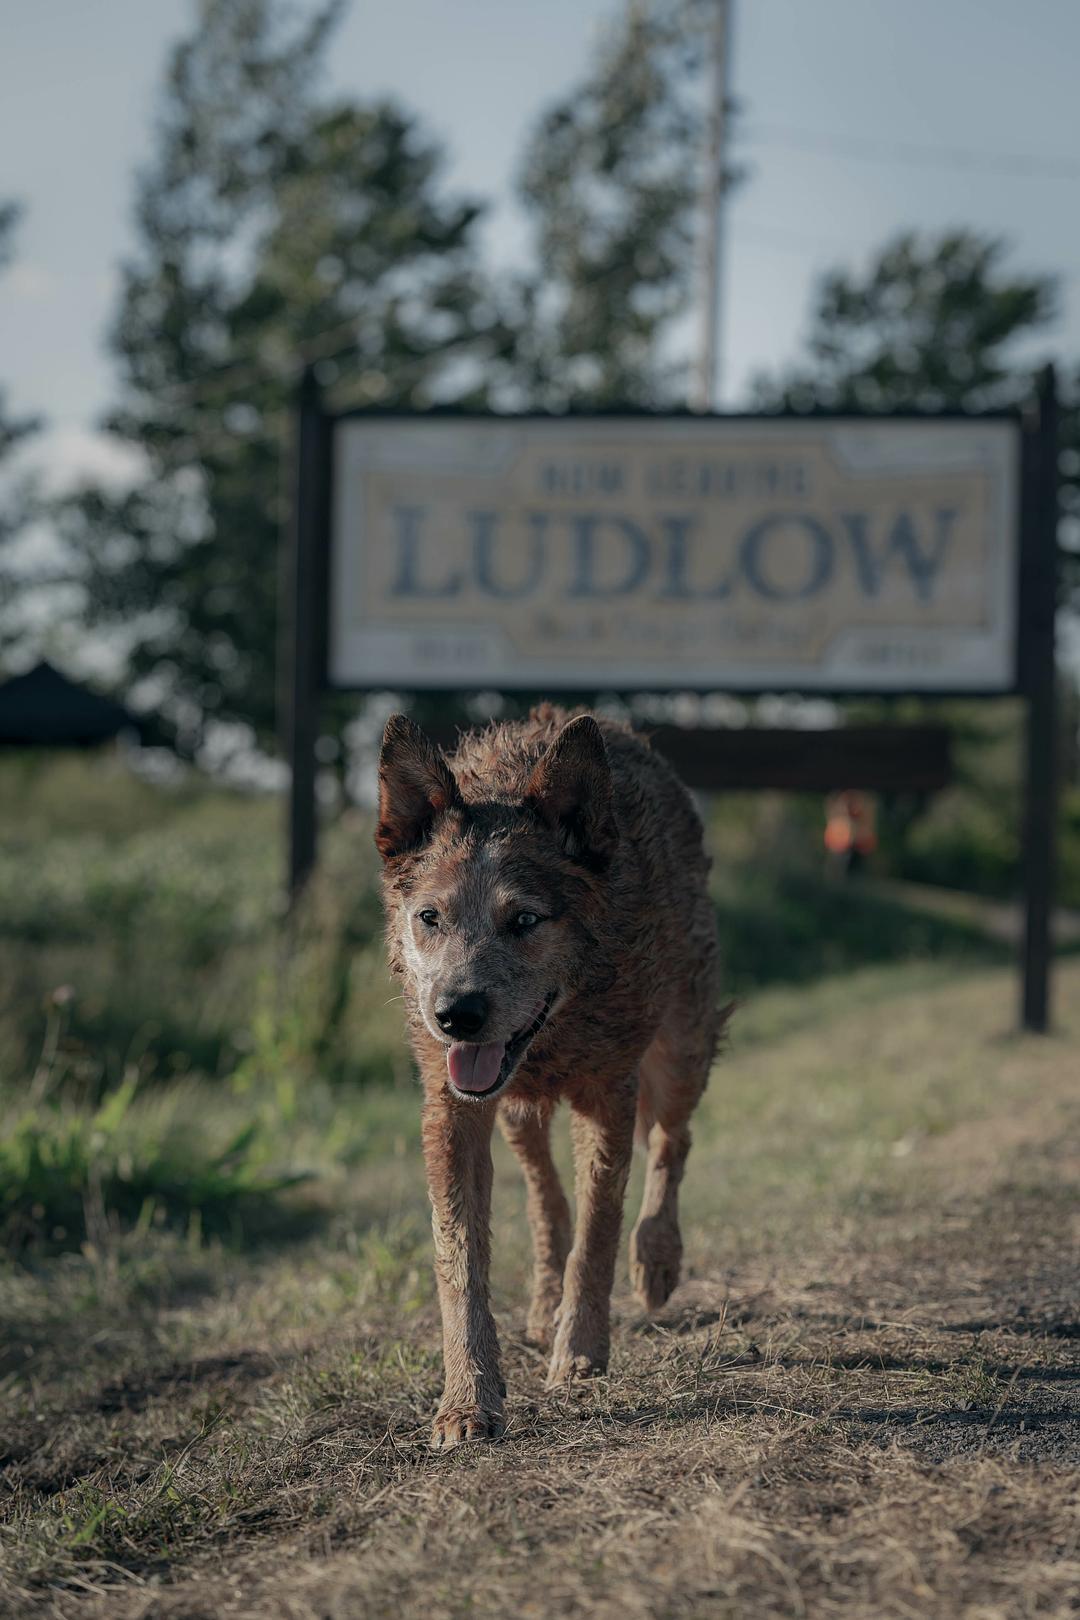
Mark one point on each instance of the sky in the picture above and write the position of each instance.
(858, 118)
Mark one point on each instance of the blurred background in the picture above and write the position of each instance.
(503, 206)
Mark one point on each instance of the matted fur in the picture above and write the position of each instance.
(575, 822)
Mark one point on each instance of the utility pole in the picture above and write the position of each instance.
(705, 389)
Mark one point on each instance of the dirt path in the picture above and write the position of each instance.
(877, 1415)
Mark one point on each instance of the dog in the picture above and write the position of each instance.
(547, 914)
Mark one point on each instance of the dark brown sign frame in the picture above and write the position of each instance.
(918, 764)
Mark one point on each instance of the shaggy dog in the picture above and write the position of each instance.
(546, 911)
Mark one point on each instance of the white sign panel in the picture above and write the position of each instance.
(607, 553)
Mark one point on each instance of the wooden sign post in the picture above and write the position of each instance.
(1038, 681)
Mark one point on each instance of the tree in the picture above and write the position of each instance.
(931, 325)
(610, 180)
(274, 227)
(18, 504)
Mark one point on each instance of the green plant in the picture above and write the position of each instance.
(70, 1174)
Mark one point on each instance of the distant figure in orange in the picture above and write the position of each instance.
(850, 830)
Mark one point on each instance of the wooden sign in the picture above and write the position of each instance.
(732, 554)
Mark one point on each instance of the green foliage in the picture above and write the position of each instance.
(18, 502)
(784, 919)
(931, 325)
(968, 836)
(68, 1174)
(274, 226)
(610, 181)
(795, 927)
(155, 906)
(328, 1008)
(162, 915)
(204, 891)
(142, 926)
(1069, 853)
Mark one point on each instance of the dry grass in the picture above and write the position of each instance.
(862, 1401)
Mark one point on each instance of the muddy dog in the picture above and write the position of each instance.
(545, 896)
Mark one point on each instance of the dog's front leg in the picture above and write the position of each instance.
(457, 1153)
(549, 1218)
(603, 1145)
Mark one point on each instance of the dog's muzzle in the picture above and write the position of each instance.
(479, 1070)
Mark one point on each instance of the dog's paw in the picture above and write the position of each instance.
(540, 1329)
(542, 1318)
(457, 1424)
(655, 1261)
(582, 1344)
(574, 1369)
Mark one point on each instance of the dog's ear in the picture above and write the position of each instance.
(570, 789)
(415, 786)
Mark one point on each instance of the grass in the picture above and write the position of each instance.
(160, 918)
(67, 1172)
(860, 1402)
(219, 1348)
(143, 958)
(158, 911)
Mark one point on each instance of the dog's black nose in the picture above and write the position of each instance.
(463, 1017)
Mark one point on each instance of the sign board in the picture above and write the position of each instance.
(831, 554)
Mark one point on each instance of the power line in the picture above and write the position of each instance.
(866, 149)
(780, 239)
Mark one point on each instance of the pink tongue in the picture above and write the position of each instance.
(475, 1068)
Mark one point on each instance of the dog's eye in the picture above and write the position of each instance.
(429, 916)
(525, 919)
